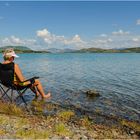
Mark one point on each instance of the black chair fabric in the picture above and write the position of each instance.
(7, 78)
(7, 74)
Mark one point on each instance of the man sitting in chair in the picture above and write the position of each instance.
(9, 56)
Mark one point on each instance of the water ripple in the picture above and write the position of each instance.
(115, 76)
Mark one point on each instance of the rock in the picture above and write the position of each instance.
(85, 137)
(66, 138)
(92, 93)
(131, 132)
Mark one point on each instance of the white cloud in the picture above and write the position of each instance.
(43, 33)
(52, 39)
(120, 32)
(103, 41)
(103, 35)
(135, 39)
(5, 41)
(16, 40)
(12, 40)
(120, 39)
(138, 22)
(45, 39)
(110, 40)
(48, 37)
(76, 38)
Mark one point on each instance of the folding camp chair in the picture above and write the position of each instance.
(7, 84)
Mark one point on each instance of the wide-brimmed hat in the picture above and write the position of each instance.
(10, 52)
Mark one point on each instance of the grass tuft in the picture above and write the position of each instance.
(85, 122)
(32, 134)
(10, 109)
(60, 129)
(38, 107)
(133, 125)
(3, 120)
(66, 115)
(2, 132)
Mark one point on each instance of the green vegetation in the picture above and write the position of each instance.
(32, 134)
(22, 49)
(66, 115)
(85, 122)
(62, 130)
(38, 107)
(10, 109)
(16, 123)
(98, 50)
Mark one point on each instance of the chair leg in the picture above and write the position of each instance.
(21, 96)
(1, 91)
(12, 95)
(5, 93)
(24, 101)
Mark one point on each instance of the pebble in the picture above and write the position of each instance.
(85, 137)
(132, 132)
(66, 138)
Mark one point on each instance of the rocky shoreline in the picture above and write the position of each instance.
(61, 123)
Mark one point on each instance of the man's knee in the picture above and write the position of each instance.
(37, 81)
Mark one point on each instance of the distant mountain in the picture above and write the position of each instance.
(93, 50)
(55, 50)
(96, 50)
(135, 49)
(15, 47)
(99, 50)
(68, 50)
(22, 49)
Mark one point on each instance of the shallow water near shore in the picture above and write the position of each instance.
(115, 76)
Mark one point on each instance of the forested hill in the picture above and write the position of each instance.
(98, 50)
(21, 49)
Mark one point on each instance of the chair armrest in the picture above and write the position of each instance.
(32, 80)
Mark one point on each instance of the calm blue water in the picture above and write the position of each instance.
(115, 76)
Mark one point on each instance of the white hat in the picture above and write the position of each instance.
(10, 52)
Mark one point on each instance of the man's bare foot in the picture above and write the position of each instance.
(47, 95)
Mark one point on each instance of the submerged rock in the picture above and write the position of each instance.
(92, 93)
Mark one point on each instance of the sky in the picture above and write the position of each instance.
(70, 24)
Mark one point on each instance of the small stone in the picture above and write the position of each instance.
(66, 138)
(85, 137)
(49, 126)
(132, 132)
(42, 124)
(92, 93)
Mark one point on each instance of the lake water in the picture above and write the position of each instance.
(115, 76)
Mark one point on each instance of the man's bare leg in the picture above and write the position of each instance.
(40, 89)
